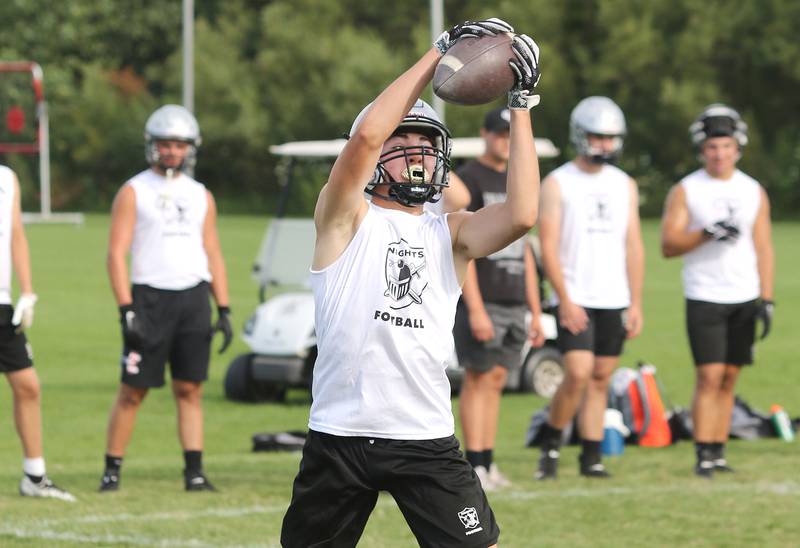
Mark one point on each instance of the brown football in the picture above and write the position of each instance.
(475, 70)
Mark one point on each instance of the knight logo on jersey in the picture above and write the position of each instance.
(173, 209)
(727, 206)
(405, 274)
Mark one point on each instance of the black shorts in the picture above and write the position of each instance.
(435, 487)
(721, 333)
(15, 351)
(510, 334)
(177, 327)
(604, 335)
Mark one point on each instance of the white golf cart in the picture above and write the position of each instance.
(280, 333)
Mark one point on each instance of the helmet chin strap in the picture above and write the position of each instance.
(600, 159)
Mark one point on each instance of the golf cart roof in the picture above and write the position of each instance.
(287, 247)
(463, 147)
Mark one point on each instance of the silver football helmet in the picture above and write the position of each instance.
(421, 186)
(597, 116)
(172, 122)
(718, 120)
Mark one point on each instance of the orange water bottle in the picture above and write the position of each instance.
(782, 423)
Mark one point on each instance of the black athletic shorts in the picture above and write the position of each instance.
(721, 333)
(435, 487)
(15, 351)
(510, 334)
(177, 327)
(604, 335)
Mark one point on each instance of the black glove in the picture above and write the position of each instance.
(764, 310)
(132, 328)
(526, 73)
(223, 324)
(471, 29)
(722, 231)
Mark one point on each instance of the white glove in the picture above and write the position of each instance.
(23, 311)
(471, 29)
(526, 73)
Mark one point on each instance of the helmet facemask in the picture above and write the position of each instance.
(599, 116)
(597, 155)
(172, 123)
(416, 185)
(154, 158)
(718, 120)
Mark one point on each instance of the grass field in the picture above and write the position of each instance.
(653, 499)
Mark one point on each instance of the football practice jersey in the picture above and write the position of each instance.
(6, 212)
(722, 272)
(384, 319)
(167, 250)
(593, 242)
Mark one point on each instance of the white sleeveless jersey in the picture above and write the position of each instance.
(167, 250)
(434, 208)
(722, 272)
(594, 226)
(6, 213)
(384, 320)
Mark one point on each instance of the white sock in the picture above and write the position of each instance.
(34, 467)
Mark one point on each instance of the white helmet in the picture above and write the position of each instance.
(175, 123)
(718, 120)
(422, 118)
(597, 116)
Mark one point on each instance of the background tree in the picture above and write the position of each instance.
(270, 71)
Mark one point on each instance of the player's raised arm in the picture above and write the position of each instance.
(492, 228)
(341, 204)
(342, 198)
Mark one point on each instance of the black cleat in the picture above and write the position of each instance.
(109, 481)
(197, 481)
(704, 469)
(593, 470)
(721, 465)
(548, 465)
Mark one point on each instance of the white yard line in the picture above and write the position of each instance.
(44, 529)
(138, 540)
(152, 516)
(782, 488)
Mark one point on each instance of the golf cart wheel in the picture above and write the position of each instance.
(239, 378)
(241, 386)
(543, 371)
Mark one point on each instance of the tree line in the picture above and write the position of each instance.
(271, 71)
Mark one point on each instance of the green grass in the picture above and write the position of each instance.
(653, 498)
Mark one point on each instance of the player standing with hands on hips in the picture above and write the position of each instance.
(167, 221)
(16, 357)
(386, 278)
(718, 219)
(594, 258)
